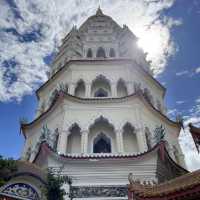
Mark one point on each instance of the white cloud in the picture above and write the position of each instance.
(181, 73)
(172, 111)
(54, 20)
(189, 73)
(186, 141)
(191, 156)
(198, 100)
(193, 119)
(197, 70)
(180, 102)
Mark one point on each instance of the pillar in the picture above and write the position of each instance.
(62, 144)
(84, 141)
(72, 88)
(140, 132)
(119, 141)
(88, 90)
(114, 89)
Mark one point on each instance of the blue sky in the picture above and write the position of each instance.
(31, 31)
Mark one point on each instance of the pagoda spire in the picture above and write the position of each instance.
(99, 11)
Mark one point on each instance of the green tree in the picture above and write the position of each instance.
(7, 167)
(54, 186)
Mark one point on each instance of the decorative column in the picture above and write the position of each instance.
(129, 87)
(84, 141)
(119, 141)
(72, 88)
(140, 133)
(62, 143)
(88, 90)
(114, 89)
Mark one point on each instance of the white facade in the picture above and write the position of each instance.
(110, 106)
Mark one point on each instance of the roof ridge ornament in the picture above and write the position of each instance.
(99, 11)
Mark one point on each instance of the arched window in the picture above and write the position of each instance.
(121, 88)
(74, 139)
(89, 53)
(101, 53)
(112, 53)
(102, 137)
(102, 144)
(101, 93)
(80, 89)
(130, 139)
(100, 87)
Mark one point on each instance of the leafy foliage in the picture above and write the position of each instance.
(54, 186)
(7, 167)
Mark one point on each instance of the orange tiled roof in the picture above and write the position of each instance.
(194, 129)
(177, 185)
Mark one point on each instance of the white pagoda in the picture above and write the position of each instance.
(101, 116)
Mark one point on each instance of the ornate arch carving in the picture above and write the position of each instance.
(101, 53)
(127, 121)
(100, 117)
(68, 125)
(21, 190)
(73, 125)
(80, 80)
(101, 77)
(130, 125)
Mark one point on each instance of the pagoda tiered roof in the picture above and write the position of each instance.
(98, 60)
(61, 95)
(159, 149)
